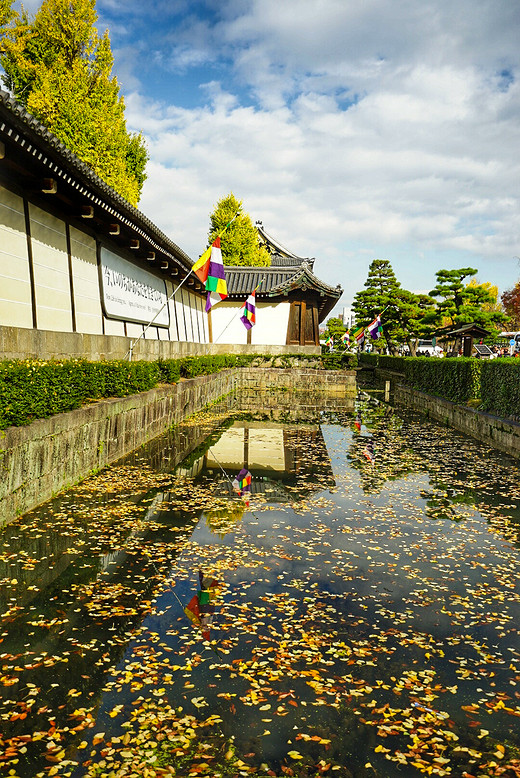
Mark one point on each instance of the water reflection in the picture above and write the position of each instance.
(354, 618)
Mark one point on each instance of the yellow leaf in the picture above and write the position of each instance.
(294, 755)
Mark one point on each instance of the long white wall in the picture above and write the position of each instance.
(50, 279)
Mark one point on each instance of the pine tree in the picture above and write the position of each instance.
(59, 68)
(465, 303)
(240, 244)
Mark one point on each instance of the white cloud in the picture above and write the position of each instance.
(353, 128)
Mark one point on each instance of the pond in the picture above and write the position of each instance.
(358, 603)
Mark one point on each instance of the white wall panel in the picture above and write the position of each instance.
(86, 283)
(51, 271)
(271, 324)
(15, 286)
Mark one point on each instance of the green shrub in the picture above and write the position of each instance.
(456, 379)
(501, 387)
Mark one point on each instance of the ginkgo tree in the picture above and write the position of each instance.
(58, 66)
(240, 242)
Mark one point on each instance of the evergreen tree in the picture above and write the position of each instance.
(380, 291)
(465, 303)
(240, 244)
(335, 328)
(59, 68)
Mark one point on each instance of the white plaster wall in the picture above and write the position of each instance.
(15, 286)
(272, 320)
(187, 316)
(51, 271)
(179, 312)
(113, 327)
(86, 283)
(270, 328)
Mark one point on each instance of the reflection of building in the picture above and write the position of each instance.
(291, 301)
(285, 462)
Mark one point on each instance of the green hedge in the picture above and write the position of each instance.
(339, 361)
(391, 363)
(501, 387)
(369, 360)
(32, 390)
(456, 379)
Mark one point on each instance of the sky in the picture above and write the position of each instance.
(353, 129)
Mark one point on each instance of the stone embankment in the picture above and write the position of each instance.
(48, 455)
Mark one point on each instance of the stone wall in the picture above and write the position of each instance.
(21, 343)
(492, 430)
(48, 455)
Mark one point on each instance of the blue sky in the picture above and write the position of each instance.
(354, 129)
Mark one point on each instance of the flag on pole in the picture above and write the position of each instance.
(248, 317)
(210, 270)
(346, 338)
(375, 329)
(359, 336)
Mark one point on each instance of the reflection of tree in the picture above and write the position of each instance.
(393, 457)
(222, 521)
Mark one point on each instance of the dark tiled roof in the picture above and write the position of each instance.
(28, 133)
(275, 281)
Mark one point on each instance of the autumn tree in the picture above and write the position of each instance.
(60, 69)
(511, 302)
(240, 244)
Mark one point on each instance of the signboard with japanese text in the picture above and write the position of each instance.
(131, 293)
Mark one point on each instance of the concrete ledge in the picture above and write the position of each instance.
(492, 430)
(48, 455)
(20, 343)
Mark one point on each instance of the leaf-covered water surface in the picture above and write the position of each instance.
(354, 612)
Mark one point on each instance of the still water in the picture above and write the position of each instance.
(364, 601)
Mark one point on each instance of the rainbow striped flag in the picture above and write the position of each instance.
(210, 270)
(248, 317)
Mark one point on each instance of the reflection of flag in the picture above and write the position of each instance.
(357, 422)
(210, 270)
(242, 482)
(376, 328)
(368, 451)
(248, 317)
(200, 608)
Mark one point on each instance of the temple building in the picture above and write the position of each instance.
(291, 301)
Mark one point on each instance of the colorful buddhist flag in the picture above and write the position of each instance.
(210, 270)
(375, 329)
(345, 338)
(359, 336)
(200, 609)
(248, 317)
(357, 422)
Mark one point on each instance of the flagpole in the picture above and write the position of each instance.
(240, 309)
(129, 353)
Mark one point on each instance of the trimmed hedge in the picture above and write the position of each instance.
(391, 363)
(456, 379)
(370, 360)
(31, 390)
(500, 381)
(339, 361)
